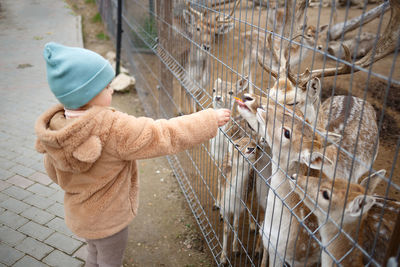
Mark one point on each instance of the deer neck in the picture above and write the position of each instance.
(338, 244)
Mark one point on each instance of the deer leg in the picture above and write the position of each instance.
(224, 244)
(252, 224)
(218, 200)
(235, 229)
(264, 258)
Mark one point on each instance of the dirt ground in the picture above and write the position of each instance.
(164, 233)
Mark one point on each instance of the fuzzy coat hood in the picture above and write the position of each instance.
(93, 159)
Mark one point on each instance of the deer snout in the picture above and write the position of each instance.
(250, 149)
(218, 98)
(206, 47)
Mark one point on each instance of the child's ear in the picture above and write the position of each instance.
(315, 159)
(359, 205)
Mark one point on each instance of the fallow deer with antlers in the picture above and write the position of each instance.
(352, 117)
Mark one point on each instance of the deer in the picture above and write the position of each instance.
(189, 62)
(291, 141)
(346, 115)
(223, 92)
(205, 29)
(234, 183)
(348, 212)
(294, 89)
(222, 97)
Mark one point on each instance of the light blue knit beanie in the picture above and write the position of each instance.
(75, 75)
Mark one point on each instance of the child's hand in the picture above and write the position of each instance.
(223, 116)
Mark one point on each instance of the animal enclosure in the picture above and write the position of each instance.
(306, 172)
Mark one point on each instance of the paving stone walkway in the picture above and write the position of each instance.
(32, 228)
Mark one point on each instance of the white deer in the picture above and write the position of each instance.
(234, 183)
(291, 141)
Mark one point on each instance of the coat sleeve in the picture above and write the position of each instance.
(140, 138)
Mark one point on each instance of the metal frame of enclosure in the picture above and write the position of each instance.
(314, 89)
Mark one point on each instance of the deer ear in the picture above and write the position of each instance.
(189, 17)
(323, 28)
(372, 181)
(261, 115)
(217, 82)
(359, 205)
(315, 159)
(332, 138)
(313, 88)
(242, 84)
(224, 28)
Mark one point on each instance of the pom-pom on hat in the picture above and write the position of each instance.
(75, 75)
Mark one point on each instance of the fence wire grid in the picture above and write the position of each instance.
(306, 173)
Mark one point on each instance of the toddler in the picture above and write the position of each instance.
(90, 150)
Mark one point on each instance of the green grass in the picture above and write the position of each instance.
(96, 18)
(148, 33)
(102, 36)
(90, 1)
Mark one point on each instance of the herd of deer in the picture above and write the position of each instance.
(306, 159)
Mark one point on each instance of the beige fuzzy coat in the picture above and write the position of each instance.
(93, 159)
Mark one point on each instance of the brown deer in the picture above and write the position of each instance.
(302, 90)
(345, 115)
(349, 217)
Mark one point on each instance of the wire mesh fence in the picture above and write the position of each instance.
(306, 173)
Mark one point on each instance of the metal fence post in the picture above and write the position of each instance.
(119, 36)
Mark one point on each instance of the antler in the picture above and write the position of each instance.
(386, 44)
(228, 19)
(195, 12)
(225, 19)
(388, 41)
(260, 58)
(308, 75)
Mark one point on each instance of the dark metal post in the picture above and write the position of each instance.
(119, 35)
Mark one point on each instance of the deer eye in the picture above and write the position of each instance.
(286, 133)
(325, 194)
(247, 98)
(213, 90)
(231, 93)
(198, 29)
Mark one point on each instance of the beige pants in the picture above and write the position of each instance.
(108, 251)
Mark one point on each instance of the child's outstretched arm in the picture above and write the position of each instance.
(139, 138)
